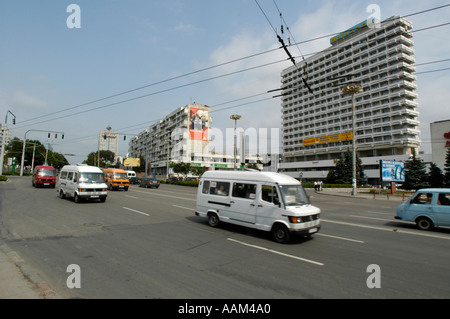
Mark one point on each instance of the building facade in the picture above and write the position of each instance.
(440, 141)
(182, 136)
(109, 141)
(317, 126)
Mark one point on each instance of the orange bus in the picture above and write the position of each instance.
(116, 179)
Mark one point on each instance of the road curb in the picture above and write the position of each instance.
(44, 289)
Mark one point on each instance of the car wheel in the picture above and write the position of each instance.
(61, 194)
(213, 220)
(76, 198)
(281, 234)
(424, 223)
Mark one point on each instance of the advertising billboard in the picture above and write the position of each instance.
(328, 139)
(199, 124)
(392, 171)
(132, 162)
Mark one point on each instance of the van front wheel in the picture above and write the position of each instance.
(424, 223)
(213, 220)
(281, 234)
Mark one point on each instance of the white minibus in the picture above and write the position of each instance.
(81, 182)
(262, 200)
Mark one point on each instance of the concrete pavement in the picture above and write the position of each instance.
(18, 281)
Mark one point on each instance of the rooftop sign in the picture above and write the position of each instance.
(353, 29)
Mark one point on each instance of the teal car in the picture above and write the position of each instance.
(428, 208)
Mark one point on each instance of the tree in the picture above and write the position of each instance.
(181, 168)
(447, 169)
(343, 173)
(15, 148)
(106, 158)
(415, 174)
(435, 178)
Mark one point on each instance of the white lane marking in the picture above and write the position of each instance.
(341, 238)
(374, 218)
(154, 193)
(386, 229)
(276, 252)
(136, 211)
(183, 207)
(134, 197)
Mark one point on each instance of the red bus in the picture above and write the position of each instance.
(44, 176)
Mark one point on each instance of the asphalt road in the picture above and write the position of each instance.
(147, 243)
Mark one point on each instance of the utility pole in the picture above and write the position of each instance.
(235, 117)
(352, 89)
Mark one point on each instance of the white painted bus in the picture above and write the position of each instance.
(262, 200)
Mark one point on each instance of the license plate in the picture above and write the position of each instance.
(94, 196)
(46, 184)
(312, 230)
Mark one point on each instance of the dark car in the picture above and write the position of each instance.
(135, 180)
(149, 182)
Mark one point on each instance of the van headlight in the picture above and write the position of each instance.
(295, 220)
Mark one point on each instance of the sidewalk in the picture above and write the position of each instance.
(17, 281)
(361, 194)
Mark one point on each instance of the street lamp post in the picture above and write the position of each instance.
(25, 141)
(235, 117)
(4, 129)
(352, 89)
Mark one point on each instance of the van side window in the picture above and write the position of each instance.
(205, 187)
(219, 188)
(70, 176)
(63, 175)
(269, 194)
(444, 199)
(423, 198)
(242, 190)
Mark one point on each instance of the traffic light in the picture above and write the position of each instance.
(124, 137)
(48, 135)
(14, 121)
(56, 135)
(104, 137)
(62, 136)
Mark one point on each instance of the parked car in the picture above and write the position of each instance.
(135, 180)
(149, 182)
(428, 208)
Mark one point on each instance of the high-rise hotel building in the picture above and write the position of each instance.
(317, 127)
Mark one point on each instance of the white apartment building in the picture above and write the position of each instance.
(182, 136)
(317, 127)
(109, 141)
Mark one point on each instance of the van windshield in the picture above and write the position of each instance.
(120, 176)
(294, 195)
(93, 178)
(46, 172)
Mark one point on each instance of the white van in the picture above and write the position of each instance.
(81, 182)
(262, 200)
(131, 174)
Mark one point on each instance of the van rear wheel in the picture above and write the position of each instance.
(213, 220)
(281, 234)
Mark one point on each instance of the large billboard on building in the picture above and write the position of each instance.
(328, 139)
(392, 171)
(198, 124)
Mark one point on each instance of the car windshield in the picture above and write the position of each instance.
(294, 195)
(92, 178)
(120, 176)
(46, 172)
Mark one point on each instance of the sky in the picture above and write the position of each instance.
(128, 64)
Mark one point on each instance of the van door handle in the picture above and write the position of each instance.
(252, 204)
(231, 202)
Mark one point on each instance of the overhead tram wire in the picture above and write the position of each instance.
(152, 84)
(285, 48)
(158, 92)
(205, 69)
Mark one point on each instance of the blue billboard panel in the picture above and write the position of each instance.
(392, 171)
